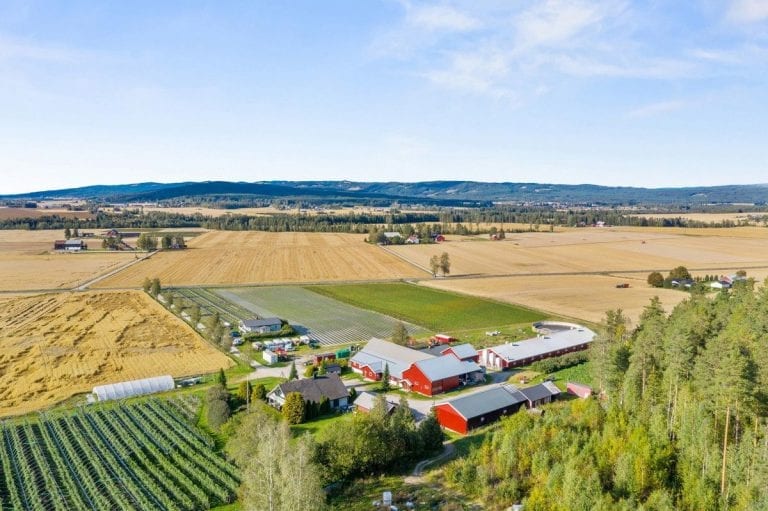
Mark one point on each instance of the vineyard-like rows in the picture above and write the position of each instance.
(136, 457)
(211, 302)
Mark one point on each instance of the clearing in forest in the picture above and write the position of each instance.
(56, 345)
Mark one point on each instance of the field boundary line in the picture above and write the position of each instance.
(95, 280)
(417, 266)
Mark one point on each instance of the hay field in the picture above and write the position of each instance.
(57, 345)
(594, 250)
(701, 217)
(585, 297)
(227, 257)
(27, 262)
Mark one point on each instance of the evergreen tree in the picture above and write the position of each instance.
(294, 408)
(400, 334)
(293, 374)
(221, 378)
(385, 384)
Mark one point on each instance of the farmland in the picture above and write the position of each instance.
(129, 456)
(226, 258)
(325, 319)
(56, 345)
(9, 213)
(584, 297)
(28, 263)
(432, 309)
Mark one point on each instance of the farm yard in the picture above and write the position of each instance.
(136, 456)
(54, 346)
(432, 309)
(27, 262)
(325, 319)
(228, 257)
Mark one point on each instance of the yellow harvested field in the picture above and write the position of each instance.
(57, 345)
(8, 213)
(719, 232)
(27, 262)
(594, 250)
(212, 212)
(227, 257)
(702, 217)
(584, 297)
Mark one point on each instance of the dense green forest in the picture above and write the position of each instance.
(681, 423)
(460, 221)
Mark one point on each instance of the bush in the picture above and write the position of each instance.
(656, 279)
(550, 365)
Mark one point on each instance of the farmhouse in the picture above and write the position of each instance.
(465, 413)
(261, 326)
(554, 339)
(417, 371)
(73, 245)
(313, 390)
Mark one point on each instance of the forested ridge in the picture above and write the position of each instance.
(681, 425)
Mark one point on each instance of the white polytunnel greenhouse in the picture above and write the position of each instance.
(125, 389)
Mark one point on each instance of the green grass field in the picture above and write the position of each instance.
(439, 311)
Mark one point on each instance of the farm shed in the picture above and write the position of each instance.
(73, 245)
(540, 394)
(465, 413)
(131, 388)
(261, 326)
(465, 352)
(556, 339)
(365, 402)
(578, 389)
(440, 374)
(312, 390)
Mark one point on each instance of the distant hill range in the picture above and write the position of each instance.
(427, 192)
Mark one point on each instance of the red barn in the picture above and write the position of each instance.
(440, 374)
(465, 352)
(474, 410)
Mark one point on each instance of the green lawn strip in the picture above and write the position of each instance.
(317, 426)
(434, 309)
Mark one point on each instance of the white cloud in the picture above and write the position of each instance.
(656, 108)
(748, 11)
(11, 49)
(474, 71)
(440, 17)
(556, 21)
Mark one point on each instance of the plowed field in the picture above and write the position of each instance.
(57, 345)
(226, 257)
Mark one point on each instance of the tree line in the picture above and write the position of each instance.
(680, 422)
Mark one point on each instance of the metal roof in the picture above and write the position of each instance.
(540, 391)
(379, 352)
(486, 401)
(555, 341)
(367, 400)
(253, 323)
(130, 388)
(439, 368)
(314, 389)
(465, 350)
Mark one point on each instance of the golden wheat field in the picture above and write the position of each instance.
(8, 213)
(583, 297)
(595, 250)
(56, 345)
(702, 217)
(27, 262)
(227, 257)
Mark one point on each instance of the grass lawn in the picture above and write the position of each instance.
(317, 426)
(578, 373)
(439, 311)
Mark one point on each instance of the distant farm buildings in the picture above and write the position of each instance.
(417, 371)
(73, 245)
(554, 339)
(465, 413)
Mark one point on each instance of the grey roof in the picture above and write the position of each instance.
(557, 340)
(486, 401)
(367, 400)
(314, 389)
(255, 323)
(465, 350)
(379, 352)
(444, 367)
(540, 391)
(74, 242)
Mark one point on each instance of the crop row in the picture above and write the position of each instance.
(135, 456)
(210, 301)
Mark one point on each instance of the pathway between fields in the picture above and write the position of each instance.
(85, 285)
(416, 476)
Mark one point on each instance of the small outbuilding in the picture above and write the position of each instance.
(578, 389)
(261, 326)
(270, 357)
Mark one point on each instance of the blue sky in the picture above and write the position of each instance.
(646, 93)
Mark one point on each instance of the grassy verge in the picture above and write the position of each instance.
(433, 309)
